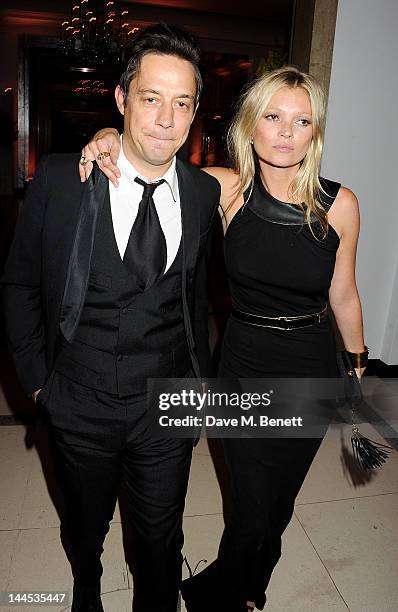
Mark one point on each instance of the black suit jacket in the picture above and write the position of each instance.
(45, 278)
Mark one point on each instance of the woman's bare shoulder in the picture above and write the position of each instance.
(225, 176)
(229, 181)
(344, 213)
(347, 197)
(346, 203)
(231, 197)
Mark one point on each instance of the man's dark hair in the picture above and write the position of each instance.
(162, 39)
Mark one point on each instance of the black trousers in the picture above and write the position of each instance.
(99, 439)
(266, 476)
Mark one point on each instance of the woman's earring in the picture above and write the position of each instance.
(251, 140)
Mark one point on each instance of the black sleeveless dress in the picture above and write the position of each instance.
(276, 267)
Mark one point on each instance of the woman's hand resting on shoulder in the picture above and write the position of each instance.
(105, 141)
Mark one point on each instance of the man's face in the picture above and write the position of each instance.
(158, 112)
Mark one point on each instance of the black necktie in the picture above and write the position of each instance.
(146, 251)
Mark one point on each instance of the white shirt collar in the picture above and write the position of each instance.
(170, 176)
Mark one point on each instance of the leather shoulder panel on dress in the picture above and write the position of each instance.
(331, 188)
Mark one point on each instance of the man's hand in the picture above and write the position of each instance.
(104, 141)
(35, 394)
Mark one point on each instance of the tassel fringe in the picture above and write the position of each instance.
(368, 453)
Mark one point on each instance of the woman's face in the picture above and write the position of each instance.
(284, 132)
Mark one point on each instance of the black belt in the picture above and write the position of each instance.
(285, 323)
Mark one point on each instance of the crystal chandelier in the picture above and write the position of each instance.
(96, 32)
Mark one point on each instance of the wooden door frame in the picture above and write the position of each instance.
(312, 37)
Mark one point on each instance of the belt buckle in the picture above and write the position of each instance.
(284, 323)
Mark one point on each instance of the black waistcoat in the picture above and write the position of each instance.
(126, 335)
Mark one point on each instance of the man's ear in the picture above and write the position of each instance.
(119, 97)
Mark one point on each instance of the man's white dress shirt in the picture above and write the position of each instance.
(125, 201)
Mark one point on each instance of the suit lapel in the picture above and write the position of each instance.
(190, 220)
(80, 258)
(190, 215)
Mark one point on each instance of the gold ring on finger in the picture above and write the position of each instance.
(83, 160)
(101, 156)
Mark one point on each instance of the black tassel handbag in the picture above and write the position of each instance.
(368, 453)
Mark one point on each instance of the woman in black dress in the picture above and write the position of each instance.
(290, 246)
(283, 259)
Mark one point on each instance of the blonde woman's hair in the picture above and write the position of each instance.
(305, 189)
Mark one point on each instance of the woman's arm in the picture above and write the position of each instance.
(230, 198)
(343, 294)
(108, 141)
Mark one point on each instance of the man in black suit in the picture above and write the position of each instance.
(105, 288)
